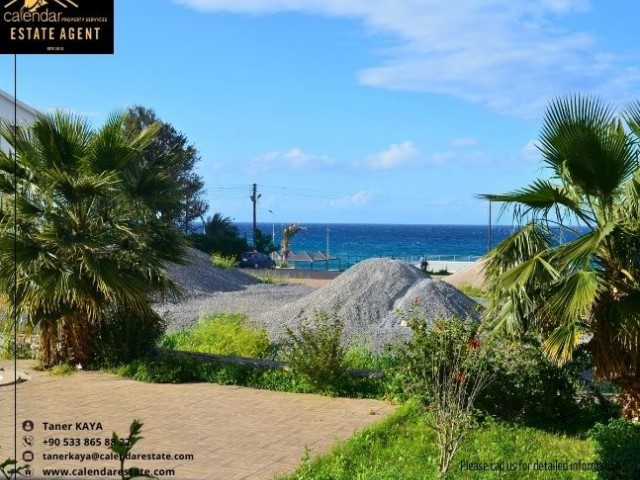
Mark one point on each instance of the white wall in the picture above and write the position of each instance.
(25, 113)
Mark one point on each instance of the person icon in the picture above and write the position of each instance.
(27, 425)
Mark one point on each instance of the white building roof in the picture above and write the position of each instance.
(26, 114)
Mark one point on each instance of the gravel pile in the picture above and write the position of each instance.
(367, 297)
(199, 277)
(209, 289)
(253, 301)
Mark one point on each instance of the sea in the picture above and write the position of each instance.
(347, 244)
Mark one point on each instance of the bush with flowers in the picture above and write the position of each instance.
(442, 366)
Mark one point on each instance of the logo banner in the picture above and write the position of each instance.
(56, 26)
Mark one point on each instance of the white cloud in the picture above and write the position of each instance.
(358, 199)
(506, 55)
(396, 155)
(293, 159)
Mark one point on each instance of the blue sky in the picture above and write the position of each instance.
(356, 111)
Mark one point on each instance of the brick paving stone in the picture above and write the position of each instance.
(233, 432)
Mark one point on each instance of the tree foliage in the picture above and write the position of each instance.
(170, 152)
(572, 272)
(220, 236)
(223, 237)
(87, 238)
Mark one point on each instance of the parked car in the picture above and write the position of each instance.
(256, 260)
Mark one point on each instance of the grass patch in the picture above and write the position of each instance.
(222, 261)
(362, 358)
(403, 447)
(271, 278)
(61, 370)
(470, 291)
(221, 334)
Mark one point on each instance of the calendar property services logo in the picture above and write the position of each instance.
(57, 26)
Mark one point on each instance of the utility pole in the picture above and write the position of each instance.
(254, 198)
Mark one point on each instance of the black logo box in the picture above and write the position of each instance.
(57, 27)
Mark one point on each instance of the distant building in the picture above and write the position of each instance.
(25, 113)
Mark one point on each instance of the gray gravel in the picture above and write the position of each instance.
(251, 301)
(199, 277)
(367, 297)
(209, 289)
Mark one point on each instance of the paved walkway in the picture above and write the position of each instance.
(232, 433)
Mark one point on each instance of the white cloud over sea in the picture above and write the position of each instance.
(509, 56)
(395, 156)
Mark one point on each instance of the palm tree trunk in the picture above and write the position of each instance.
(629, 398)
(49, 343)
(76, 341)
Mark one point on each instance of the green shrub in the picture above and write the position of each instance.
(226, 245)
(431, 343)
(9, 347)
(20, 349)
(61, 370)
(221, 334)
(315, 352)
(120, 337)
(222, 261)
(527, 387)
(618, 447)
(167, 368)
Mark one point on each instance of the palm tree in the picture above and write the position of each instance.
(87, 239)
(288, 233)
(220, 225)
(572, 272)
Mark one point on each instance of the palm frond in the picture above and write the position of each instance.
(542, 197)
(583, 144)
(562, 342)
(581, 252)
(573, 296)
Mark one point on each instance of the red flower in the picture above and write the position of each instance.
(459, 377)
(474, 343)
